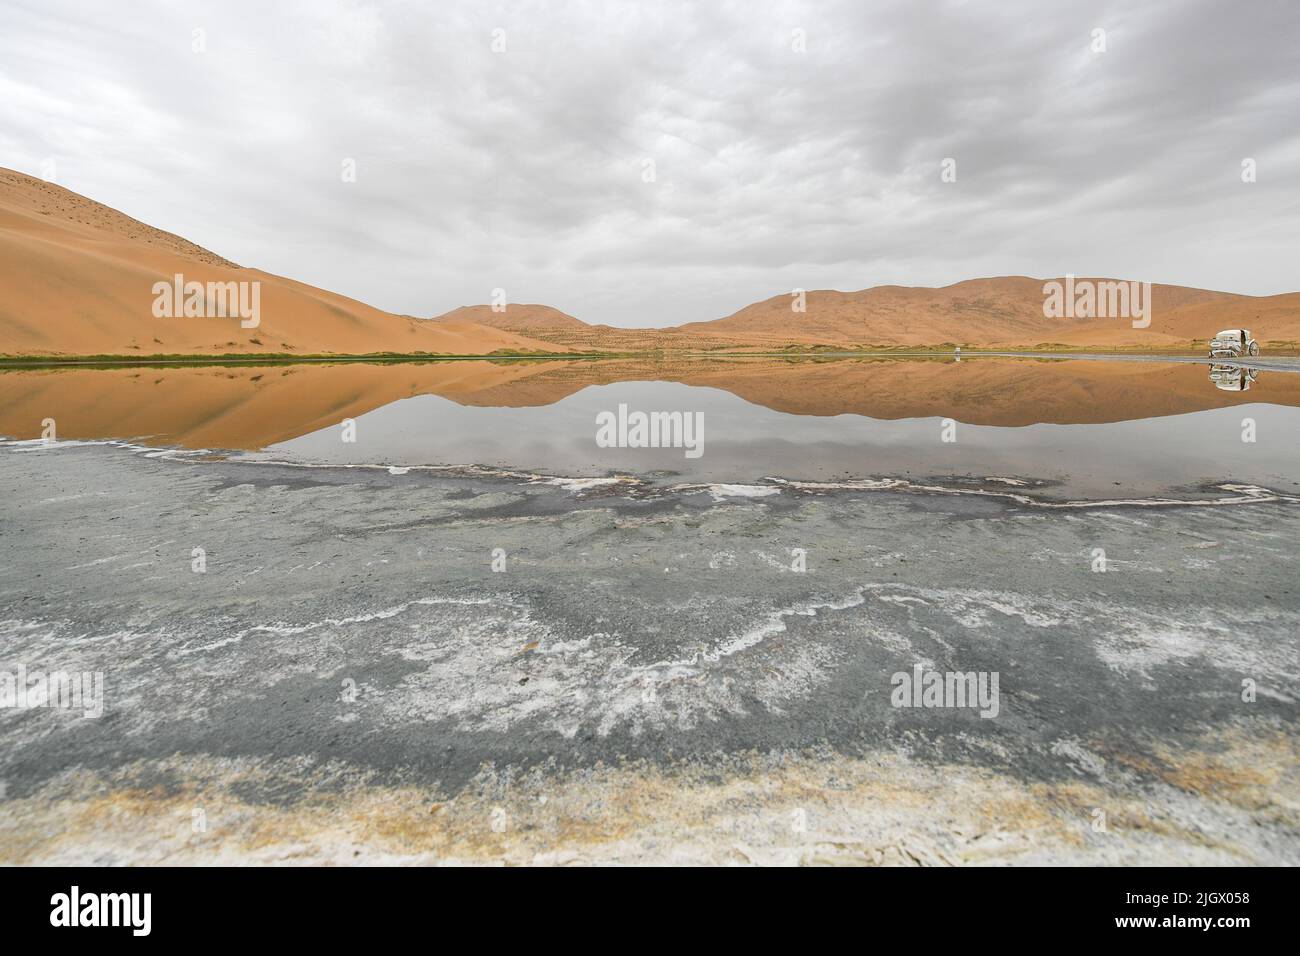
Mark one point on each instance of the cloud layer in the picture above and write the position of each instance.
(793, 145)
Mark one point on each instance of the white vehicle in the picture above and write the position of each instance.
(1233, 343)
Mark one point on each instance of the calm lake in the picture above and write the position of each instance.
(1058, 428)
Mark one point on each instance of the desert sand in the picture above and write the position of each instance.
(997, 313)
(78, 280)
(1004, 312)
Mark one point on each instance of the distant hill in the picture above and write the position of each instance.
(1004, 312)
(560, 328)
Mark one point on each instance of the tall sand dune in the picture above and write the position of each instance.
(78, 279)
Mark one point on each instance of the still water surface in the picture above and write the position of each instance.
(1064, 428)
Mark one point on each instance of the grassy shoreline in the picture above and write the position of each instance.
(277, 358)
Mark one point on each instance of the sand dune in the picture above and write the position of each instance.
(562, 329)
(1000, 312)
(1004, 312)
(78, 279)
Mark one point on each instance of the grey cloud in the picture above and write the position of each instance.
(775, 169)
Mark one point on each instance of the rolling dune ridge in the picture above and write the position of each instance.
(79, 280)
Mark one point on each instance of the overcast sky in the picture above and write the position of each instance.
(775, 167)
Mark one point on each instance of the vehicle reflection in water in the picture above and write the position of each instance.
(1233, 378)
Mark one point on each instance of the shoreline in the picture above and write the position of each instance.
(1278, 361)
(1010, 489)
(695, 669)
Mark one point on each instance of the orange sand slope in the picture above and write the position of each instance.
(78, 279)
(252, 407)
(1005, 311)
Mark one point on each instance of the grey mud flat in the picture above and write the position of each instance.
(647, 680)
